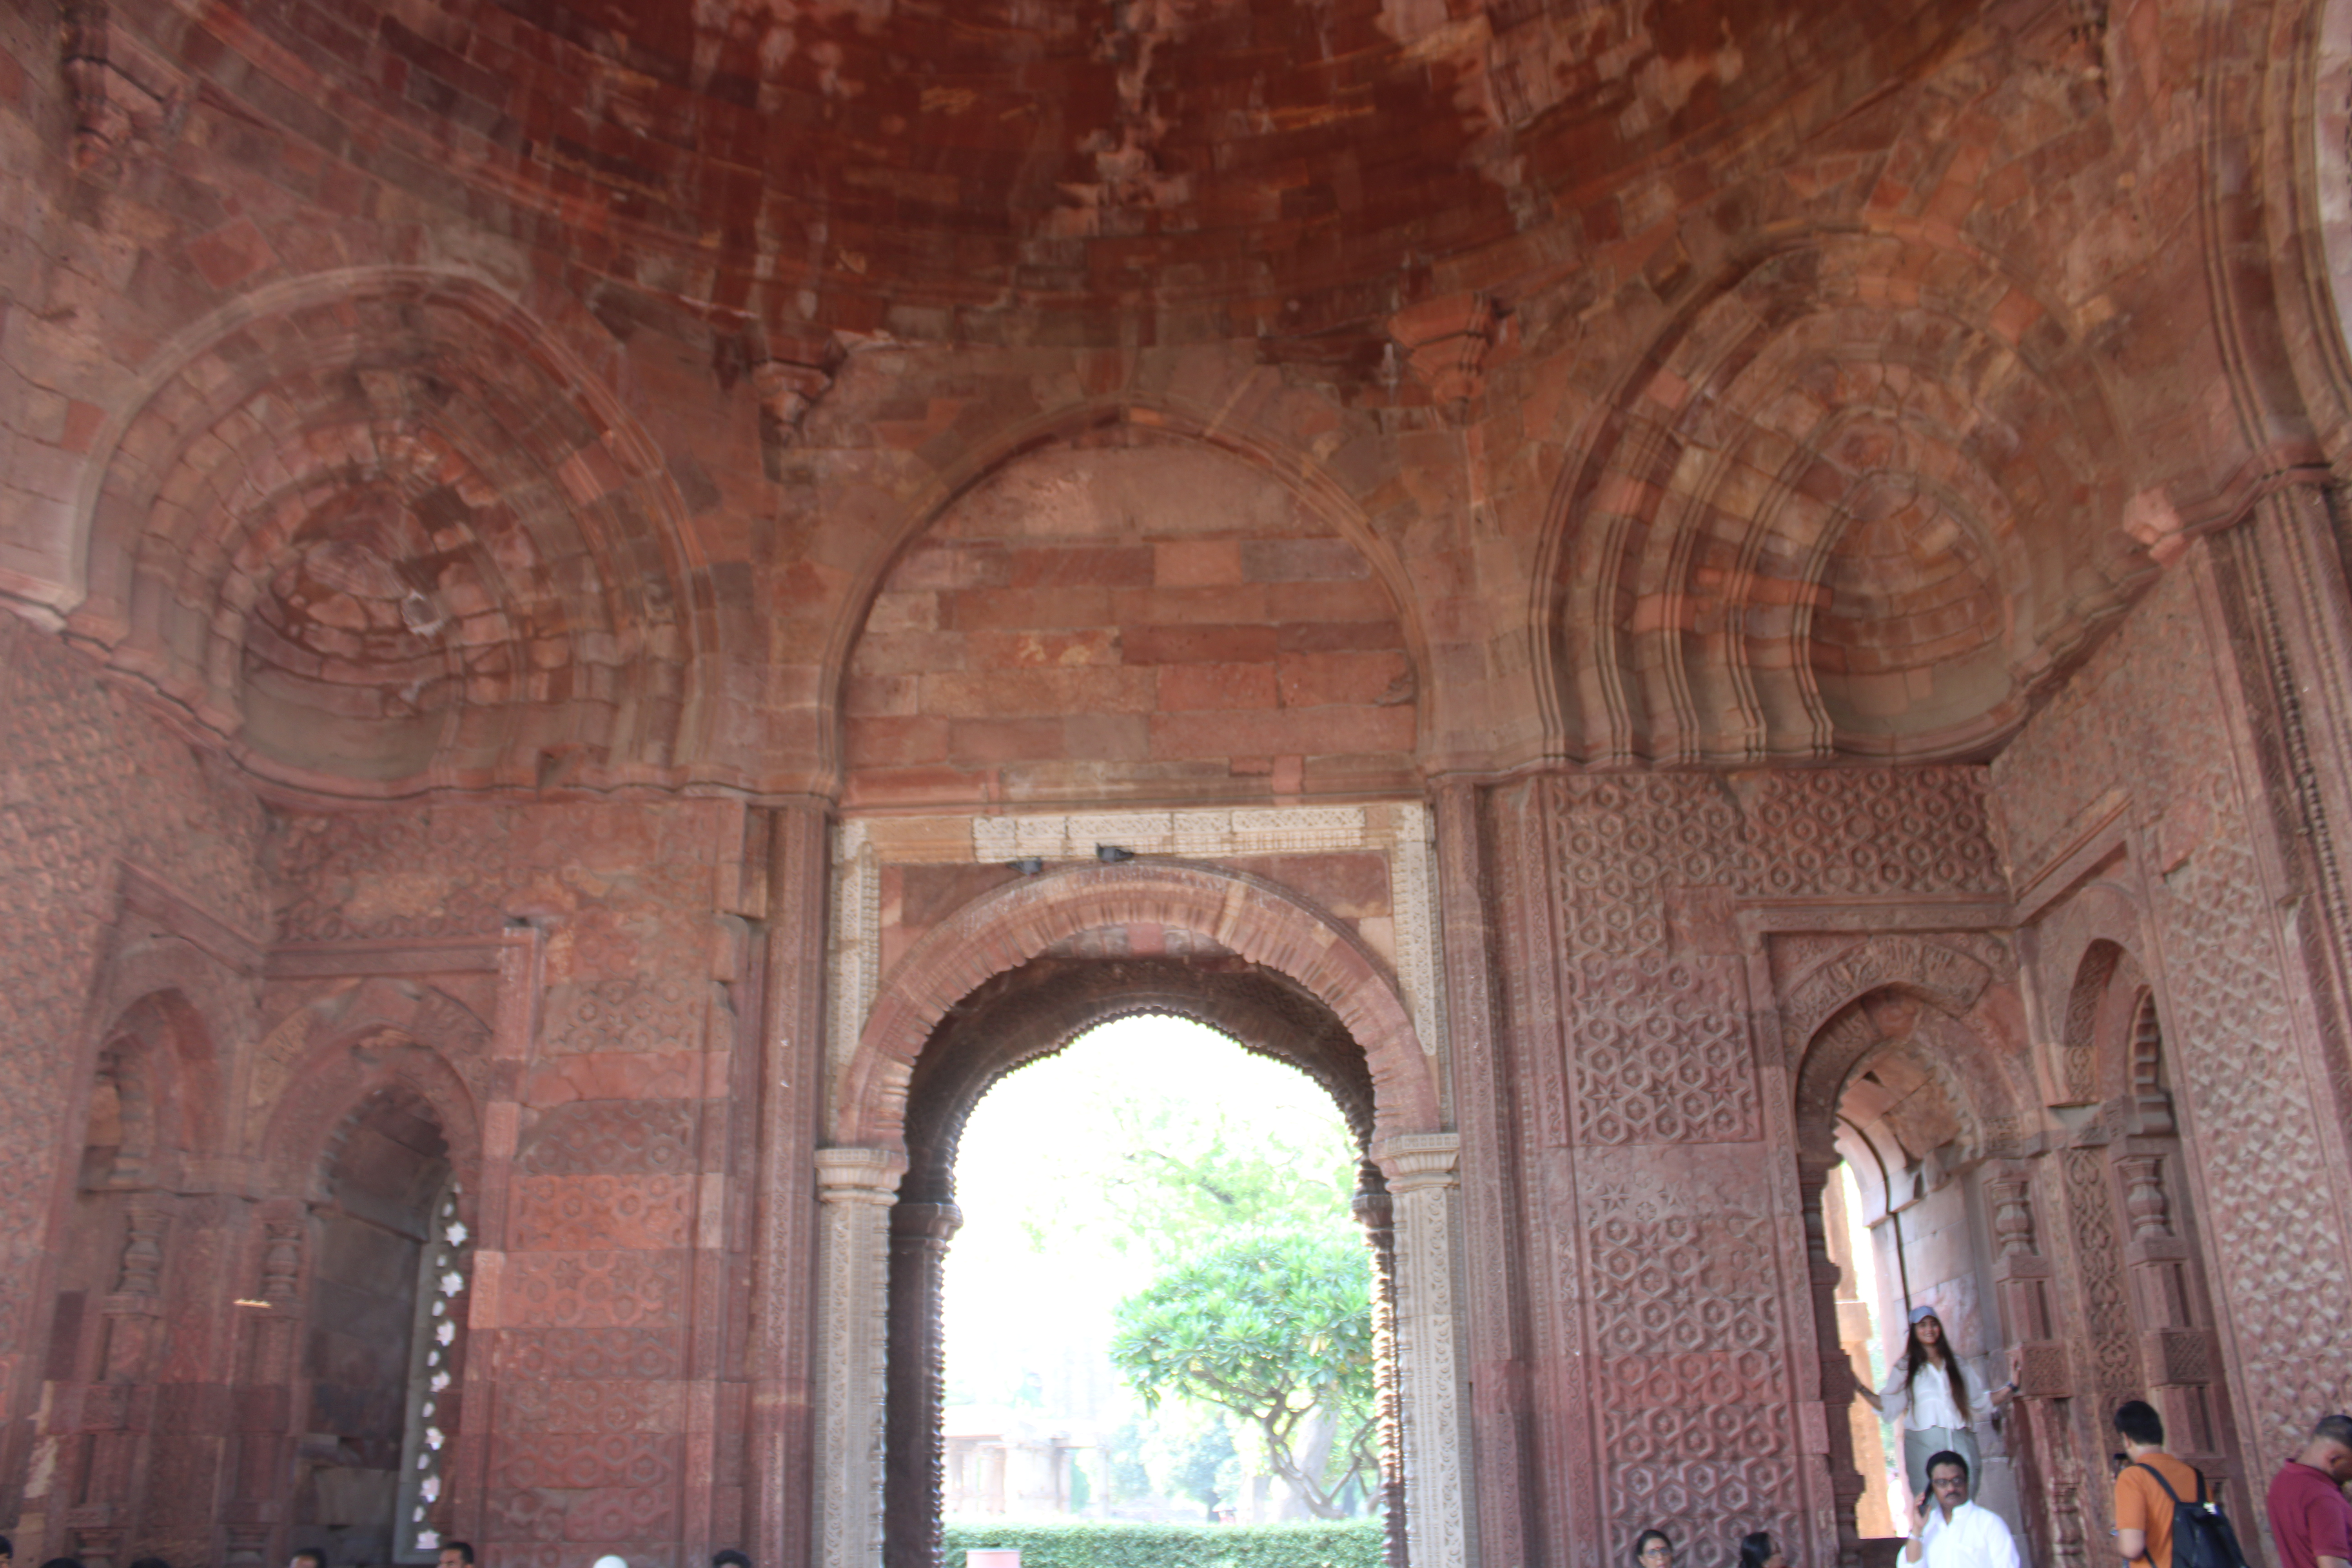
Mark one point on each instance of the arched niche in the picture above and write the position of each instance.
(382, 1159)
(132, 1293)
(1126, 610)
(1817, 520)
(379, 529)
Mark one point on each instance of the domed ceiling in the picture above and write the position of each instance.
(1019, 169)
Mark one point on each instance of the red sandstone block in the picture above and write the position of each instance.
(1280, 732)
(875, 696)
(1027, 650)
(895, 612)
(916, 786)
(1364, 600)
(1188, 607)
(1198, 643)
(1105, 738)
(1018, 609)
(984, 743)
(911, 653)
(1197, 562)
(1109, 566)
(83, 420)
(1215, 686)
(895, 742)
(228, 256)
(1338, 637)
(1351, 886)
(1317, 679)
(1039, 693)
(1303, 561)
(1384, 772)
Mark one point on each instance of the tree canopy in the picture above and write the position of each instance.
(1275, 1327)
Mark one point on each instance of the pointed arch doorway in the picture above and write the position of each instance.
(1033, 1011)
(1013, 974)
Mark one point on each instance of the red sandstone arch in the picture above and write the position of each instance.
(2098, 932)
(1834, 1034)
(187, 1073)
(1246, 914)
(353, 1058)
(453, 459)
(1820, 398)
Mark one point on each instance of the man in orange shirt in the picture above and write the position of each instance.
(2143, 1514)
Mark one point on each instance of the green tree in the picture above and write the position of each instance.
(1275, 1327)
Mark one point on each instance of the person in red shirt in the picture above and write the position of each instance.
(2309, 1518)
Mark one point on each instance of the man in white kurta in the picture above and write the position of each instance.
(1955, 1532)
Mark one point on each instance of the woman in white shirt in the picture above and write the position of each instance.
(1928, 1393)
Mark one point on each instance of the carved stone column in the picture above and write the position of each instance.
(778, 1469)
(271, 1321)
(2288, 606)
(2040, 1430)
(115, 1407)
(2178, 1356)
(1423, 1187)
(913, 1493)
(855, 1188)
(1376, 1212)
(1833, 1373)
(1505, 1525)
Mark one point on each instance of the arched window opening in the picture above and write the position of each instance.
(379, 1235)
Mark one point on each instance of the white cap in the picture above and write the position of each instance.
(612, 1562)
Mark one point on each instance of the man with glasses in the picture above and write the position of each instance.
(1954, 1532)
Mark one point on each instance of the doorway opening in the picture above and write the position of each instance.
(1036, 1010)
(1183, 1180)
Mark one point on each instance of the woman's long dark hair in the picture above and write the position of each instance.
(1915, 1357)
(1754, 1551)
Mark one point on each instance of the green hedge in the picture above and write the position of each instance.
(1348, 1544)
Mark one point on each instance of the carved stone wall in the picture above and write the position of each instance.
(613, 1171)
(113, 832)
(2146, 746)
(1647, 1079)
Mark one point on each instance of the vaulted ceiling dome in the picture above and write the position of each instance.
(1181, 167)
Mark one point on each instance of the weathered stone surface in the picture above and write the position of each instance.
(564, 561)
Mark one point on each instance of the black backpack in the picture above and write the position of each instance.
(2202, 1536)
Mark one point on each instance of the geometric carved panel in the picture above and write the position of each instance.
(611, 1460)
(591, 1404)
(637, 1213)
(2090, 1209)
(610, 1137)
(598, 1289)
(539, 1353)
(2178, 1356)
(637, 1013)
(1659, 1051)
